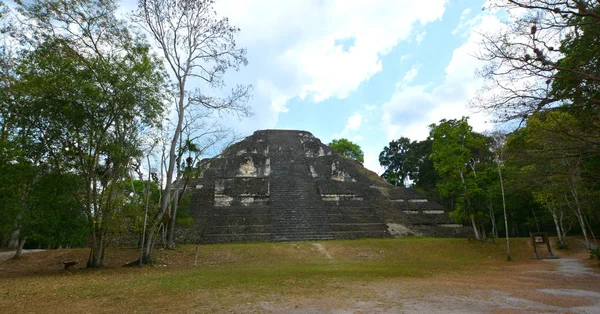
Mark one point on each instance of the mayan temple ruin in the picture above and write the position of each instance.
(285, 185)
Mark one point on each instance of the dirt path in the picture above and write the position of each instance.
(563, 285)
(544, 291)
(9, 254)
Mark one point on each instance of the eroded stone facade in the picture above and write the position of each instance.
(285, 185)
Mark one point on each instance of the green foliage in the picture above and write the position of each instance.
(458, 154)
(562, 245)
(578, 72)
(594, 252)
(403, 160)
(83, 89)
(54, 217)
(348, 149)
(184, 219)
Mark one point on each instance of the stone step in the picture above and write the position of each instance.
(221, 238)
(301, 238)
(360, 234)
(359, 227)
(237, 229)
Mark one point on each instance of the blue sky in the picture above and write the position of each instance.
(369, 71)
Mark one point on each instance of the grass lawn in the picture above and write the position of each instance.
(236, 277)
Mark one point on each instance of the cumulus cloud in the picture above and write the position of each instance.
(412, 108)
(297, 46)
(354, 122)
(411, 74)
(420, 36)
(352, 128)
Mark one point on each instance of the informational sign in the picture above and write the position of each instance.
(540, 238)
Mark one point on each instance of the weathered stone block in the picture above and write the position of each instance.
(285, 185)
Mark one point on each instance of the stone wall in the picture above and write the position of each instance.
(285, 185)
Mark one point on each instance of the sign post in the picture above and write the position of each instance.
(540, 238)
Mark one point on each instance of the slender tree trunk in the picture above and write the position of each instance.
(145, 211)
(476, 233)
(472, 216)
(591, 230)
(578, 212)
(493, 220)
(170, 243)
(20, 247)
(14, 237)
(537, 226)
(96, 251)
(508, 257)
(170, 170)
(562, 226)
(556, 224)
(483, 231)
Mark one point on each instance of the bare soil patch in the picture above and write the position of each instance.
(365, 276)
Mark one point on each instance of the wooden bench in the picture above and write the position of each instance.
(70, 264)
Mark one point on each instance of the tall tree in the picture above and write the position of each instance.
(195, 45)
(454, 154)
(555, 165)
(394, 158)
(87, 89)
(348, 149)
(545, 45)
(498, 149)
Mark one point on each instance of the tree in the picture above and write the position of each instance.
(87, 89)
(555, 165)
(543, 69)
(348, 149)
(454, 154)
(498, 149)
(195, 44)
(405, 160)
(393, 158)
(546, 47)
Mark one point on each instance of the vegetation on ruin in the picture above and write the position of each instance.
(348, 149)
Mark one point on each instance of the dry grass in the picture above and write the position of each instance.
(262, 276)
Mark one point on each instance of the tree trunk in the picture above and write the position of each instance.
(562, 226)
(578, 212)
(20, 247)
(556, 224)
(13, 243)
(483, 231)
(97, 248)
(476, 233)
(170, 170)
(537, 226)
(170, 243)
(493, 220)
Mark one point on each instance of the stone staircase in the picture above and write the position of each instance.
(297, 212)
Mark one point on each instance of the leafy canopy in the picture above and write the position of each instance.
(348, 149)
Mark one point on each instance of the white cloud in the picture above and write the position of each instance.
(352, 128)
(420, 36)
(370, 107)
(412, 108)
(354, 122)
(270, 91)
(411, 74)
(464, 23)
(372, 161)
(298, 39)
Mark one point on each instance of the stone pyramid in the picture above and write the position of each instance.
(286, 185)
